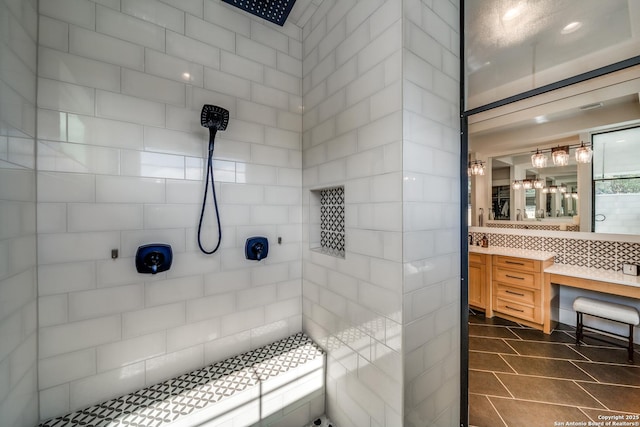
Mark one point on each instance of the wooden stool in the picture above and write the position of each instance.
(609, 311)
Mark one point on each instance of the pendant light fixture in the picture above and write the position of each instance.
(538, 184)
(560, 156)
(476, 167)
(583, 154)
(539, 160)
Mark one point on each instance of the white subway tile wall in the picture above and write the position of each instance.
(348, 54)
(121, 155)
(381, 118)
(431, 251)
(18, 269)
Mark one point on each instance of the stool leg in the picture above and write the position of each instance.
(578, 327)
(631, 343)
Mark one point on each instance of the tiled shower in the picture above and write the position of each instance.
(358, 95)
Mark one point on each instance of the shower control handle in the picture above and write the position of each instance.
(154, 258)
(256, 248)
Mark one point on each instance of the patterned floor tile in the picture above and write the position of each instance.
(552, 380)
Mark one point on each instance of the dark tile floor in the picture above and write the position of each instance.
(519, 376)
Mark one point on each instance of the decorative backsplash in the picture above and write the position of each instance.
(550, 227)
(608, 255)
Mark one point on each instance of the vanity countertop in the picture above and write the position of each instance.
(599, 274)
(518, 253)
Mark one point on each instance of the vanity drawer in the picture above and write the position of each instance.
(522, 264)
(515, 277)
(524, 296)
(521, 311)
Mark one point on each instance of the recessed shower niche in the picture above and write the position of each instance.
(326, 222)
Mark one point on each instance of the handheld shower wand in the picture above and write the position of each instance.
(214, 118)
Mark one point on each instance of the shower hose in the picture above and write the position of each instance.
(209, 178)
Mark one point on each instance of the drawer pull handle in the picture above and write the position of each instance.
(513, 262)
(514, 293)
(514, 277)
(514, 309)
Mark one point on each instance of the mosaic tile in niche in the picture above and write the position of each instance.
(332, 222)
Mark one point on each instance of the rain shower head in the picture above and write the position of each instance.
(214, 117)
(275, 11)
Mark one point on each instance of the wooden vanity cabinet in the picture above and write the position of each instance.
(479, 282)
(518, 289)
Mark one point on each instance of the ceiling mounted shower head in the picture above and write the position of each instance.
(275, 11)
(213, 116)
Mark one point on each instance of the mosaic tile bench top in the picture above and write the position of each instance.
(165, 403)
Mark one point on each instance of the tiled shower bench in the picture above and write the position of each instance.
(280, 384)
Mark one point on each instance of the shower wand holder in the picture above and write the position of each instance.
(256, 248)
(154, 258)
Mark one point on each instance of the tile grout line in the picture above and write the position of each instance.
(594, 398)
(497, 412)
(565, 405)
(586, 373)
(511, 347)
(503, 385)
(508, 364)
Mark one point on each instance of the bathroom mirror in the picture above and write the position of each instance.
(505, 138)
(522, 192)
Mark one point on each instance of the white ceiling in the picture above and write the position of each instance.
(516, 45)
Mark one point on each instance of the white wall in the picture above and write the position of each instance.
(120, 163)
(18, 313)
(431, 196)
(383, 121)
(353, 137)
